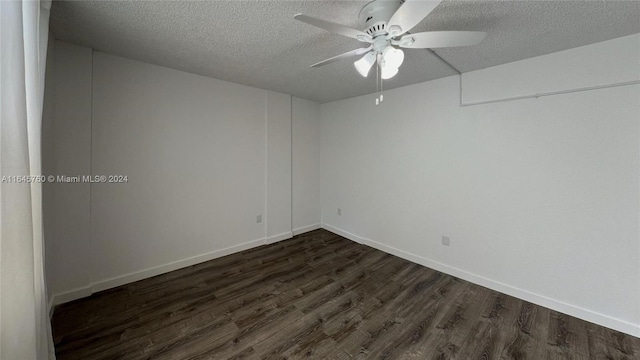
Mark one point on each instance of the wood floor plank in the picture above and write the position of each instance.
(320, 296)
(529, 340)
(610, 344)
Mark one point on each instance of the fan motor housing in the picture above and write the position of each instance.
(375, 15)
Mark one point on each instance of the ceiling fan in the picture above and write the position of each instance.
(385, 25)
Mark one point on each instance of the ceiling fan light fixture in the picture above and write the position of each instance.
(364, 65)
(385, 26)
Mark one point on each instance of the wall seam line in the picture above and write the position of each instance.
(265, 218)
(549, 93)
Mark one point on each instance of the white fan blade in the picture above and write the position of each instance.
(346, 55)
(334, 28)
(410, 14)
(440, 39)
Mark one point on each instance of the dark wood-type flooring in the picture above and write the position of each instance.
(321, 296)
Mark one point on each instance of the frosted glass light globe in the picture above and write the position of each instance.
(392, 57)
(364, 65)
(388, 72)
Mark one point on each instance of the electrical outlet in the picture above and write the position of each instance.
(259, 219)
(446, 241)
(339, 211)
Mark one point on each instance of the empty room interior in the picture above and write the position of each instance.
(387, 179)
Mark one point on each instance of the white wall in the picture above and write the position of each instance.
(203, 159)
(608, 62)
(306, 165)
(278, 214)
(540, 197)
(68, 141)
(193, 149)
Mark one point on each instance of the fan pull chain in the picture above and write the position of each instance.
(379, 81)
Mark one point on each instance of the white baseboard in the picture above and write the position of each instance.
(94, 287)
(569, 309)
(147, 273)
(71, 295)
(348, 235)
(105, 284)
(275, 238)
(304, 229)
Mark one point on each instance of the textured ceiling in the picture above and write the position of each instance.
(258, 43)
